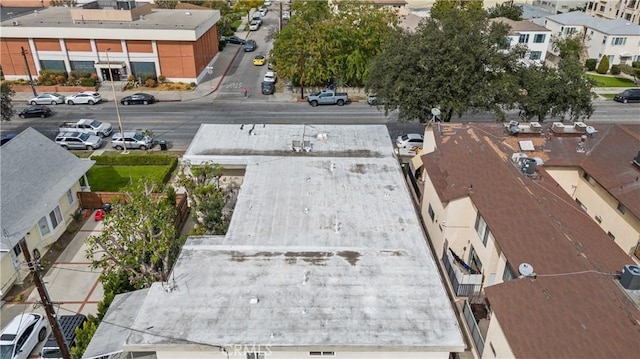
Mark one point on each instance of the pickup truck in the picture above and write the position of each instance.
(327, 98)
(88, 126)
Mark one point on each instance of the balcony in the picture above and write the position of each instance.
(464, 283)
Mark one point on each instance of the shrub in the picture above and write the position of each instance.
(131, 78)
(221, 45)
(169, 171)
(87, 82)
(71, 80)
(591, 64)
(94, 77)
(80, 74)
(192, 85)
(162, 78)
(636, 64)
(150, 83)
(60, 80)
(615, 70)
(135, 160)
(603, 66)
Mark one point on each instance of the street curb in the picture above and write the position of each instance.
(225, 72)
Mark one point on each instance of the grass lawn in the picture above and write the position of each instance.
(114, 178)
(606, 81)
(608, 95)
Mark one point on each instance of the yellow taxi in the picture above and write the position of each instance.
(259, 60)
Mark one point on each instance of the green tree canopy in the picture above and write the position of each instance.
(506, 9)
(6, 106)
(139, 237)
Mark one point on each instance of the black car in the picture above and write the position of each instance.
(268, 88)
(137, 99)
(250, 45)
(630, 95)
(35, 111)
(234, 40)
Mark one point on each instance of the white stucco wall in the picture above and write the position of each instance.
(495, 341)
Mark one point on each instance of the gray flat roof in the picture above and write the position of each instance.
(606, 26)
(328, 242)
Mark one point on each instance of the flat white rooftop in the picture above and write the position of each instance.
(324, 249)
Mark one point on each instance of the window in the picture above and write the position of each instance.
(52, 65)
(535, 55)
(482, 229)
(474, 261)
(539, 38)
(493, 350)
(43, 225)
(255, 356)
(604, 41)
(70, 196)
(322, 354)
(618, 41)
(588, 178)
(524, 38)
(56, 217)
(611, 57)
(143, 70)
(432, 214)
(17, 250)
(584, 208)
(83, 66)
(602, 8)
(611, 235)
(621, 208)
(598, 219)
(508, 273)
(570, 30)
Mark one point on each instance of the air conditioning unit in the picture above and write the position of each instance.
(535, 126)
(630, 278)
(557, 127)
(15, 23)
(580, 127)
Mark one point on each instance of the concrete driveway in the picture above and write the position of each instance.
(72, 285)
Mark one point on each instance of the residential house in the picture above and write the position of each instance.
(128, 38)
(618, 39)
(559, 6)
(525, 33)
(534, 274)
(39, 186)
(615, 9)
(324, 257)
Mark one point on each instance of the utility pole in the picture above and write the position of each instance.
(24, 55)
(280, 17)
(46, 301)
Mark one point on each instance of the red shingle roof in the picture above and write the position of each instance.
(536, 221)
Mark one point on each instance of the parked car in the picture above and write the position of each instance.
(257, 17)
(250, 45)
(68, 325)
(86, 97)
(629, 95)
(263, 10)
(254, 25)
(268, 88)
(372, 100)
(21, 336)
(78, 141)
(234, 40)
(410, 140)
(259, 60)
(286, 15)
(47, 99)
(6, 138)
(270, 76)
(328, 97)
(267, 2)
(35, 111)
(137, 99)
(132, 139)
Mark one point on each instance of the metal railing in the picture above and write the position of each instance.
(470, 320)
(461, 290)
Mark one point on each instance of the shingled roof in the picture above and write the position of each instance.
(584, 315)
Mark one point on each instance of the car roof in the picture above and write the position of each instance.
(269, 73)
(414, 136)
(68, 134)
(20, 322)
(126, 133)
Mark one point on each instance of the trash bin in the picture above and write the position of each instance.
(163, 145)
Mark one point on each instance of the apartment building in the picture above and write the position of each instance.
(559, 6)
(534, 37)
(535, 276)
(615, 9)
(618, 39)
(132, 39)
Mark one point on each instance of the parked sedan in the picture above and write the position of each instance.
(35, 111)
(21, 336)
(630, 95)
(410, 140)
(268, 88)
(138, 99)
(86, 97)
(254, 25)
(250, 45)
(47, 99)
(270, 76)
(132, 139)
(234, 40)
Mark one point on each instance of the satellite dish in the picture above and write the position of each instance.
(525, 269)
(435, 111)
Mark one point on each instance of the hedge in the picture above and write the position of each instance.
(137, 160)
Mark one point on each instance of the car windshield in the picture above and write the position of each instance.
(138, 137)
(56, 95)
(51, 353)
(405, 137)
(6, 351)
(95, 123)
(84, 136)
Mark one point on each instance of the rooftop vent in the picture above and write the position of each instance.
(630, 278)
(637, 160)
(514, 128)
(254, 300)
(528, 166)
(15, 23)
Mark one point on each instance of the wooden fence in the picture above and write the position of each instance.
(95, 200)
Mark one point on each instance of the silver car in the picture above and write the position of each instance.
(78, 141)
(86, 97)
(410, 140)
(132, 139)
(47, 99)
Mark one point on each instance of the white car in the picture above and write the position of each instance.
(270, 76)
(254, 25)
(86, 97)
(263, 10)
(410, 140)
(21, 336)
(47, 99)
(267, 2)
(286, 15)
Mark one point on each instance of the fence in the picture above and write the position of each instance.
(473, 328)
(456, 277)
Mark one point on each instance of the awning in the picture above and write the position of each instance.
(626, 54)
(113, 65)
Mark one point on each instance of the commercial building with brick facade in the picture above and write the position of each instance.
(142, 41)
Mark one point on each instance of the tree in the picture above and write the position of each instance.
(247, 5)
(603, 66)
(166, 4)
(139, 237)
(506, 9)
(207, 198)
(84, 335)
(453, 61)
(6, 106)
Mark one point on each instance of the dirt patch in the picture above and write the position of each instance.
(46, 262)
